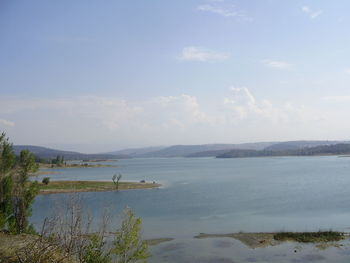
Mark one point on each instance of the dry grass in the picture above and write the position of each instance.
(29, 249)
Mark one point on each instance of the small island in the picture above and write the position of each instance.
(56, 187)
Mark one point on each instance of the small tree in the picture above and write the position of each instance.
(7, 164)
(128, 246)
(24, 193)
(46, 180)
(116, 179)
(17, 193)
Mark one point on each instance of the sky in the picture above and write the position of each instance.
(95, 76)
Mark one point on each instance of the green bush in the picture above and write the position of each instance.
(46, 180)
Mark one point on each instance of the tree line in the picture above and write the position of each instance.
(335, 149)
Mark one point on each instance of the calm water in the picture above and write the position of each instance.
(221, 196)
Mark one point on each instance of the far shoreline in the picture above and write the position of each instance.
(74, 165)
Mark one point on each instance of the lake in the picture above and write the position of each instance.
(212, 195)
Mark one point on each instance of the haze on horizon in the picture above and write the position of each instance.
(98, 76)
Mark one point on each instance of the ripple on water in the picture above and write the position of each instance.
(173, 247)
(309, 258)
(213, 260)
(251, 259)
(223, 244)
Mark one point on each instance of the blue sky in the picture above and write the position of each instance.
(102, 75)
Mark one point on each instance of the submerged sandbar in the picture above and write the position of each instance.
(256, 240)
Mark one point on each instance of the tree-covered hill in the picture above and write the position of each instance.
(48, 153)
(335, 149)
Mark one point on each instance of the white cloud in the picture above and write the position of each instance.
(311, 13)
(276, 64)
(241, 102)
(306, 9)
(6, 123)
(111, 113)
(181, 111)
(336, 99)
(228, 12)
(316, 14)
(219, 7)
(202, 54)
(245, 106)
(347, 70)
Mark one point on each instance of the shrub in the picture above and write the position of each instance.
(46, 180)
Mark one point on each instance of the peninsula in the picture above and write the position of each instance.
(56, 187)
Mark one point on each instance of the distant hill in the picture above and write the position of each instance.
(209, 153)
(294, 145)
(175, 151)
(334, 149)
(244, 146)
(137, 151)
(189, 150)
(47, 153)
(205, 150)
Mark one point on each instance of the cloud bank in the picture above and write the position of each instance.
(162, 120)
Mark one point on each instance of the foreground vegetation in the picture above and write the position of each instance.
(65, 237)
(13, 250)
(90, 186)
